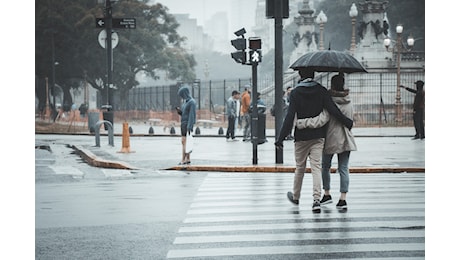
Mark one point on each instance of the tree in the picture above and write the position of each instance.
(153, 46)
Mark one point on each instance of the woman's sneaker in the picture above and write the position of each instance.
(326, 199)
(342, 204)
(316, 206)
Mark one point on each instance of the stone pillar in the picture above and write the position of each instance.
(306, 39)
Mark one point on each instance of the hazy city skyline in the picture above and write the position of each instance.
(204, 10)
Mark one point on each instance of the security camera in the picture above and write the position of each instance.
(240, 32)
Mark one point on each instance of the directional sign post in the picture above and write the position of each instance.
(109, 39)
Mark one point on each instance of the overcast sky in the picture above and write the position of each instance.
(202, 10)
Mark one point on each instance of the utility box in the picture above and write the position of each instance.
(261, 125)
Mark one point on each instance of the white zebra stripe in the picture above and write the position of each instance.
(296, 236)
(277, 250)
(305, 225)
(290, 216)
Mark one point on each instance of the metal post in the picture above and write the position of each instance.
(278, 75)
(255, 117)
(53, 71)
(210, 101)
(225, 102)
(398, 82)
(47, 106)
(198, 83)
(108, 30)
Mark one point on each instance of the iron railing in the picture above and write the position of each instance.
(373, 95)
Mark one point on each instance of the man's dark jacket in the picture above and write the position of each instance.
(308, 99)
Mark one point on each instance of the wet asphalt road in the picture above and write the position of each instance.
(83, 212)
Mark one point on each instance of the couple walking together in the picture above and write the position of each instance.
(323, 124)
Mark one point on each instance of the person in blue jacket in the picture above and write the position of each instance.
(188, 118)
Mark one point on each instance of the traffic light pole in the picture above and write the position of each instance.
(255, 55)
(255, 117)
(278, 75)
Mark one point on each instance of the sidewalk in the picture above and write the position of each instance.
(379, 150)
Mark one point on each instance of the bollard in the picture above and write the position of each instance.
(221, 131)
(125, 146)
(197, 131)
(97, 134)
(151, 131)
(172, 131)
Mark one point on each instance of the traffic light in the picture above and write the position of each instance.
(255, 53)
(239, 44)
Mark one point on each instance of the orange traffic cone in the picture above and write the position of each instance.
(125, 141)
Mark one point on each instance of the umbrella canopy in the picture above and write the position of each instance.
(328, 61)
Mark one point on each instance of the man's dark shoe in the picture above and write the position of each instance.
(316, 208)
(326, 199)
(291, 198)
(342, 204)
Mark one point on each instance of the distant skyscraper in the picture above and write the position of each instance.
(217, 28)
(196, 38)
(242, 15)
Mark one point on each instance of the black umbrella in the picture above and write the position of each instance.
(328, 61)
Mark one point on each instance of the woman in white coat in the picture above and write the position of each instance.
(339, 140)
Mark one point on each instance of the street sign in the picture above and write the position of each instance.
(124, 23)
(118, 23)
(100, 23)
(102, 39)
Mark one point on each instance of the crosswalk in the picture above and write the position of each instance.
(247, 216)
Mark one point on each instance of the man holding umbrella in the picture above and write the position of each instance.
(307, 100)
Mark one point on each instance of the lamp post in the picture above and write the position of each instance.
(321, 19)
(353, 14)
(398, 48)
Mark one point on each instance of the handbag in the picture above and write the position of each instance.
(189, 143)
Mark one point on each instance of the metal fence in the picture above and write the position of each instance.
(373, 95)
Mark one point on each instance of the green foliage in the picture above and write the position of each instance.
(153, 46)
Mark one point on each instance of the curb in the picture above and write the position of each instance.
(96, 161)
(291, 169)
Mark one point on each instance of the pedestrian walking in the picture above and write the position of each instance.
(245, 113)
(188, 118)
(232, 106)
(308, 99)
(418, 109)
(339, 140)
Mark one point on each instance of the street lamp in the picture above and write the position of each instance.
(321, 19)
(353, 14)
(399, 47)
